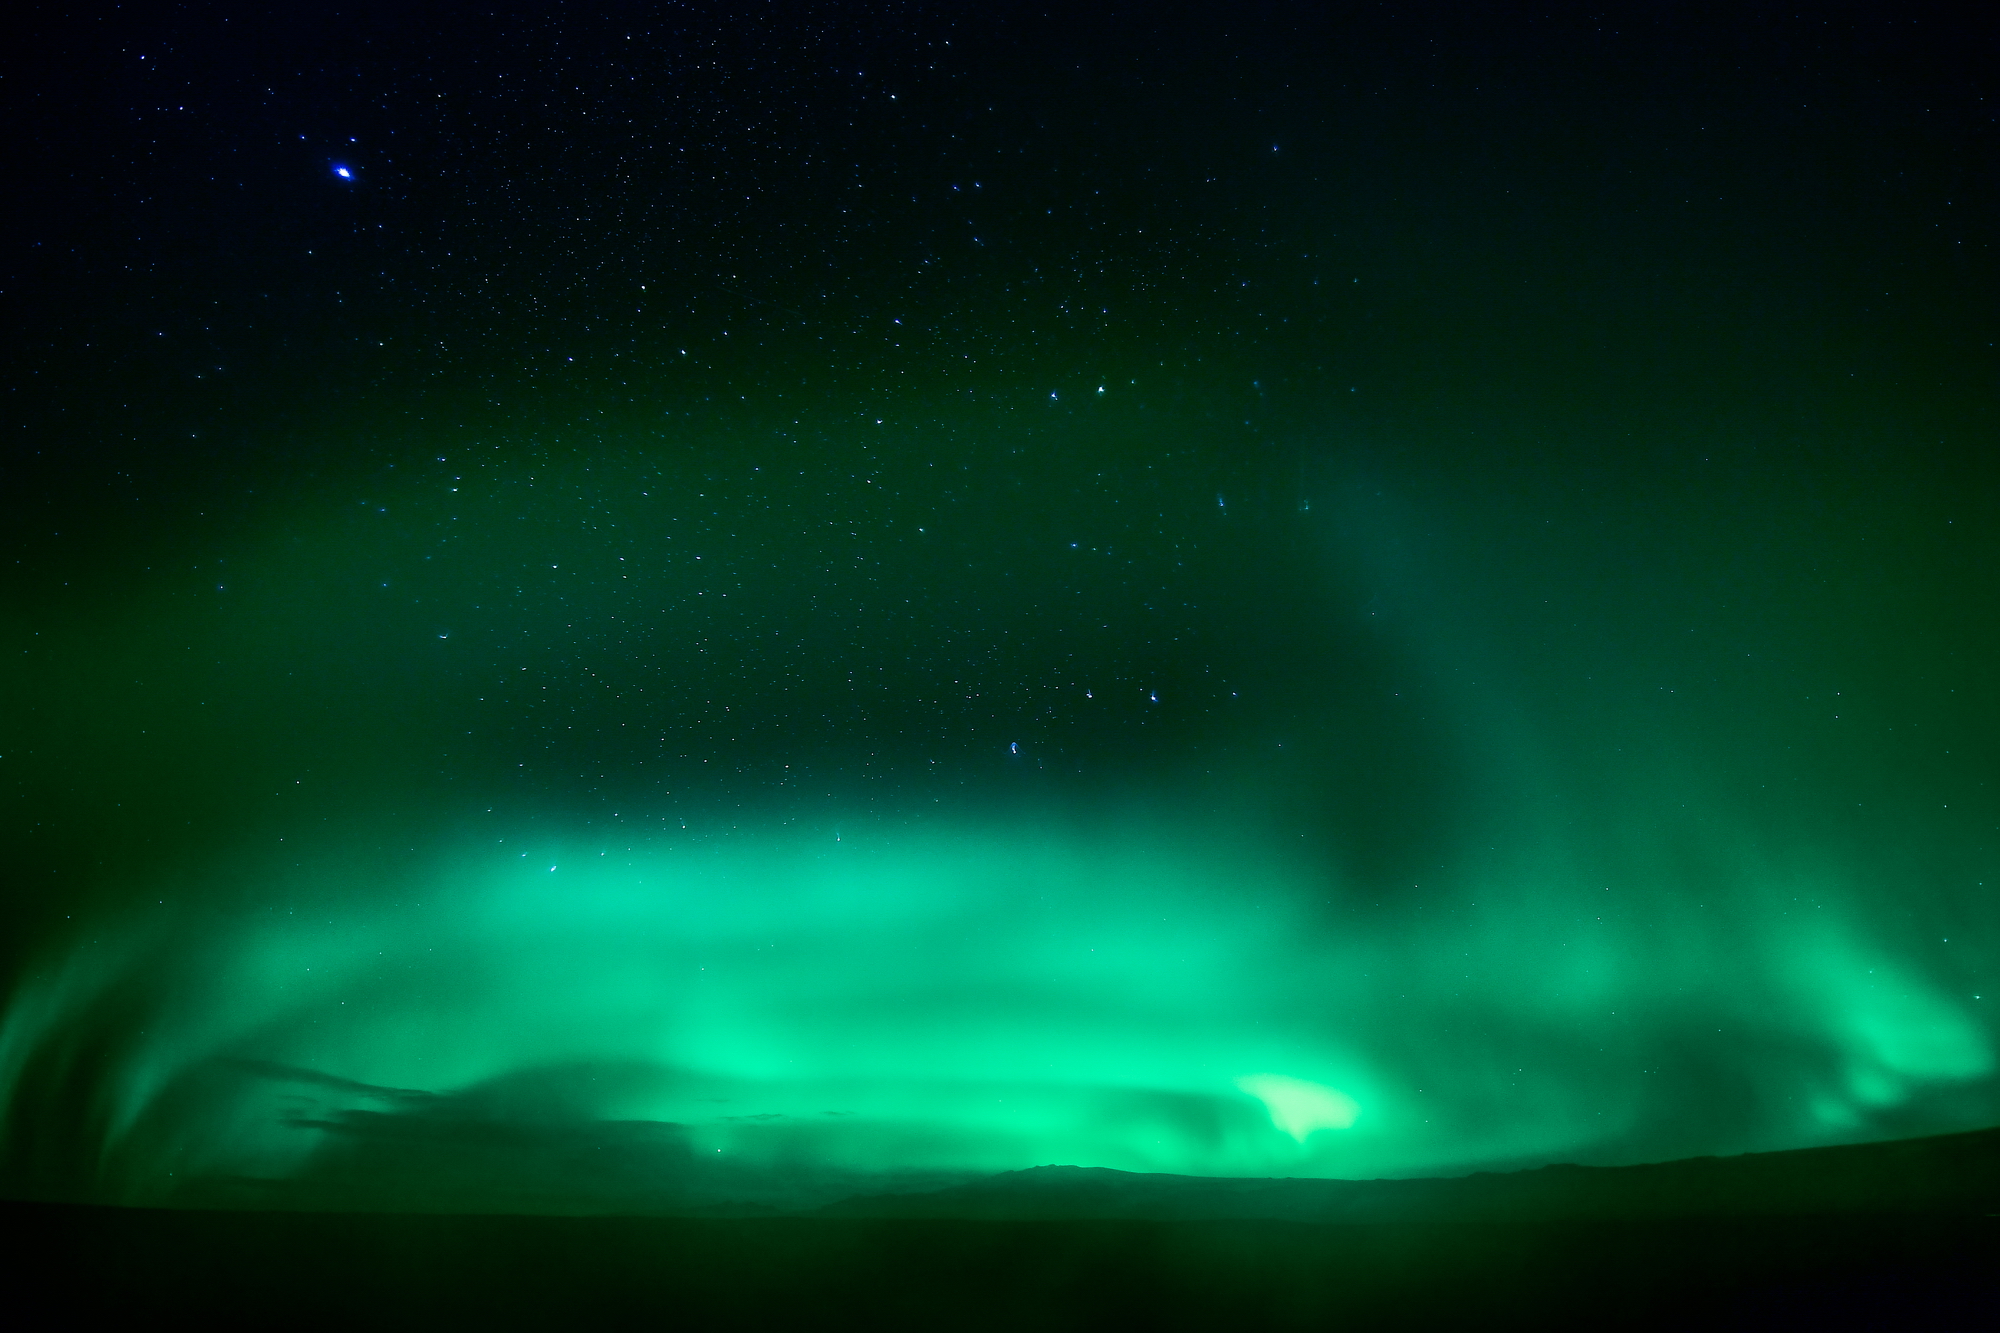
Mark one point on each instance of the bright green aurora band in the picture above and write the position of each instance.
(834, 732)
(1159, 981)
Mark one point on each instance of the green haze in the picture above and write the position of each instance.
(617, 612)
(1207, 970)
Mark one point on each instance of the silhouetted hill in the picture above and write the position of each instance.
(1890, 1236)
(1952, 1173)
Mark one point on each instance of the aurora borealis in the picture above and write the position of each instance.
(607, 610)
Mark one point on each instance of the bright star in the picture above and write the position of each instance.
(343, 173)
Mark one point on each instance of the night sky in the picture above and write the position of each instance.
(729, 600)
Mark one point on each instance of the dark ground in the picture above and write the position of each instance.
(82, 1265)
(1889, 1236)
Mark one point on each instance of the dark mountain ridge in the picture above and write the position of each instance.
(1949, 1173)
(1899, 1235)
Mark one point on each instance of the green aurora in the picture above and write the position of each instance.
(1372, 675)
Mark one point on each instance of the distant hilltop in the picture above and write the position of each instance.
(1950, 1173)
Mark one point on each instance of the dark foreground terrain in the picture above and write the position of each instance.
(1883, 1236)
(78, 1266)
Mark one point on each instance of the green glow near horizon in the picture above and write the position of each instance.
(979, 999)
(1613, 954)
(1298, 1107)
